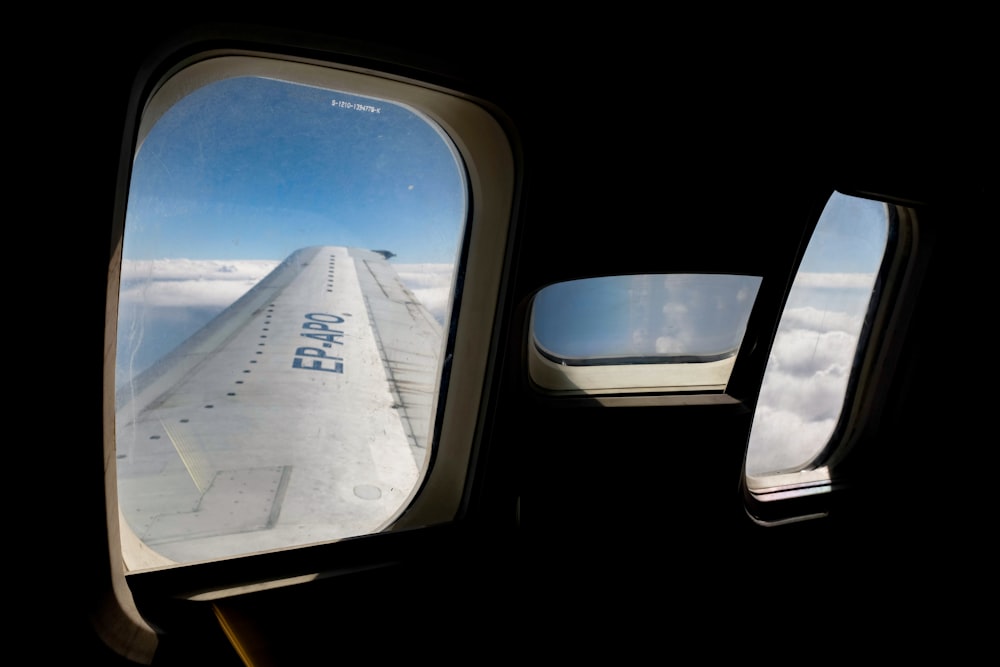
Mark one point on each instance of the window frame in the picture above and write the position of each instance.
(611, 377)
(815, 490)
(488, 146)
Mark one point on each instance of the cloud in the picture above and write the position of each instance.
(812, 319)
(806, 379)
(671, 345)
(784, 440)
(187, 293)
(196, 269)
(835, 280)
(430, 284)
(190, 283)
(813, 396)
(804, 352)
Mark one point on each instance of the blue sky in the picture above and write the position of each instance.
(252, 168)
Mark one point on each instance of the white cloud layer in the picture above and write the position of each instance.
(430, 283)
(166, 283)
(196, 269)
(833, 280)
(784, 440)
(190, 283)
(804, 386)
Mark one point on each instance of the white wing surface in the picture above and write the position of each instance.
(301, 414)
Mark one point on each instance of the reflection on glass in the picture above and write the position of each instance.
(814, 349)
(644, 318)
(244, 191)
(617, 334)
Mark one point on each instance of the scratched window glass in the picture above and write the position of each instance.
(286, 269)
(821, 332)
(638, 333)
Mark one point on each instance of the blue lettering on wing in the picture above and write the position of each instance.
(328, 364)
(331, 337)
(314, 358)
(324, 317)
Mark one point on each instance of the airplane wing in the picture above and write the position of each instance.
(299, 415)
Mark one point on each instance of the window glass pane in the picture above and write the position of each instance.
(636, 319)
(685, 329)
(816, 343)
(357, 205)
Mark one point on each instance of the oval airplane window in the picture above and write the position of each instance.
(287, 268)
(816, 349)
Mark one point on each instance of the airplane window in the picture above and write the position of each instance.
(286, 274)
(619, 334)
(818, 341)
